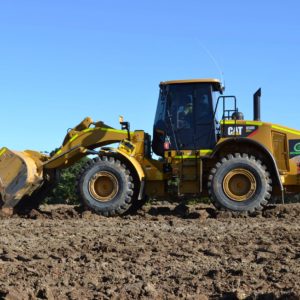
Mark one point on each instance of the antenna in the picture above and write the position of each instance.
(210, 55)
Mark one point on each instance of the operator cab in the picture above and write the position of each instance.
(185, 115)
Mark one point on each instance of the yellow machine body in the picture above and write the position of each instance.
(183, 171)
(21, 173)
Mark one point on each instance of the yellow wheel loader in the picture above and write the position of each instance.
(241, 164)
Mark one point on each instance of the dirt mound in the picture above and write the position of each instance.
(200, 211)
(162, 252)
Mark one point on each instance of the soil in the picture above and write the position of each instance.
(162, 252)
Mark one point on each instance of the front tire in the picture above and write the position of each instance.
(239, 183)
(106, 186)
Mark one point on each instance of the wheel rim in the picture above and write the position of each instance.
(103, 186)
(239, 185)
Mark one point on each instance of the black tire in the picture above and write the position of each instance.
(239, 183)
(106, 186)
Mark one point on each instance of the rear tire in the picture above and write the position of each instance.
(106, 186)
(239, 183)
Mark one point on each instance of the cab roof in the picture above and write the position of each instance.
(216, 83)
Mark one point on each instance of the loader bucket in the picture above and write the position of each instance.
(19, 176)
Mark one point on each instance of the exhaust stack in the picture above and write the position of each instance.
(256, 105)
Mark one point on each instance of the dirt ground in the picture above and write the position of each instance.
(163, 252)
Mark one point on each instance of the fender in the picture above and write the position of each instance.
(260, 146)
(136, 166)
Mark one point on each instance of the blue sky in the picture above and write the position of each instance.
(61, 61)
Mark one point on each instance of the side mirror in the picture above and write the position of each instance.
(125, 126)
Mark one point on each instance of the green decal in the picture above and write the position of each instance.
(297, 147)
(294, 146)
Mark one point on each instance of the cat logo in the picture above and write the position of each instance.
(237, 130)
